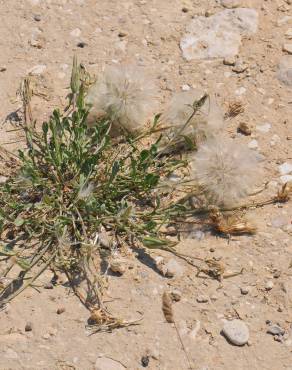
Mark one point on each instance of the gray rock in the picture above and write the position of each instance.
(275, 330)
(236, 331)
(284, 73)
(105, 363)
(218, 36)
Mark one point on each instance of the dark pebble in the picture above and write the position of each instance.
(185, 10)
(28, 326)
(61, 310)
(37, 18)
(81, 44)
(122, 34)
(145, 361)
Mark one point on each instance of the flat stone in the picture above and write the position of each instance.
(218, 36)
(105, 363)
(284, 73)
(236, 331)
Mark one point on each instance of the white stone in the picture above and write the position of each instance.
(285, 168)
(287, 48)
(37, 70)
(284, 72)
(286, 178)
(288, 33)
(185, 88)
(104, 363)
(236, 331)
(253, 144)
(3, 179)
(230, 4)
(76, 32)
(218, 36)
(269, 285)
(264, 128)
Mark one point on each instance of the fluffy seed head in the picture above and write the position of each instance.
(206, 123)
(125, 95)
(227, 171)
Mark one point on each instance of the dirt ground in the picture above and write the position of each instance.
(47, 33)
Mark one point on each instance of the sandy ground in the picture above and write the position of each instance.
(46, 33)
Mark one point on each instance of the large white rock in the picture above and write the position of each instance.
(218, 36)
(284, 73)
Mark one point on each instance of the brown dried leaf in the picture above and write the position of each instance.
(167, 307)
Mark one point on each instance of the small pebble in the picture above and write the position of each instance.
(60, 310)
(28, 326)
(3, 68)
(253, 144)
(288, 34)
(184, 10)
(82, 44)
(244, 129)
(229, 61)
(236, 331)
(239, 67)
(145, 361)
(176, 295)
(269, 285)
(122, 34)
(245, 290)
(37, 18)
(275, 330)
(277, 274)
(185, 87)
(48, 286)
(202, 299)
